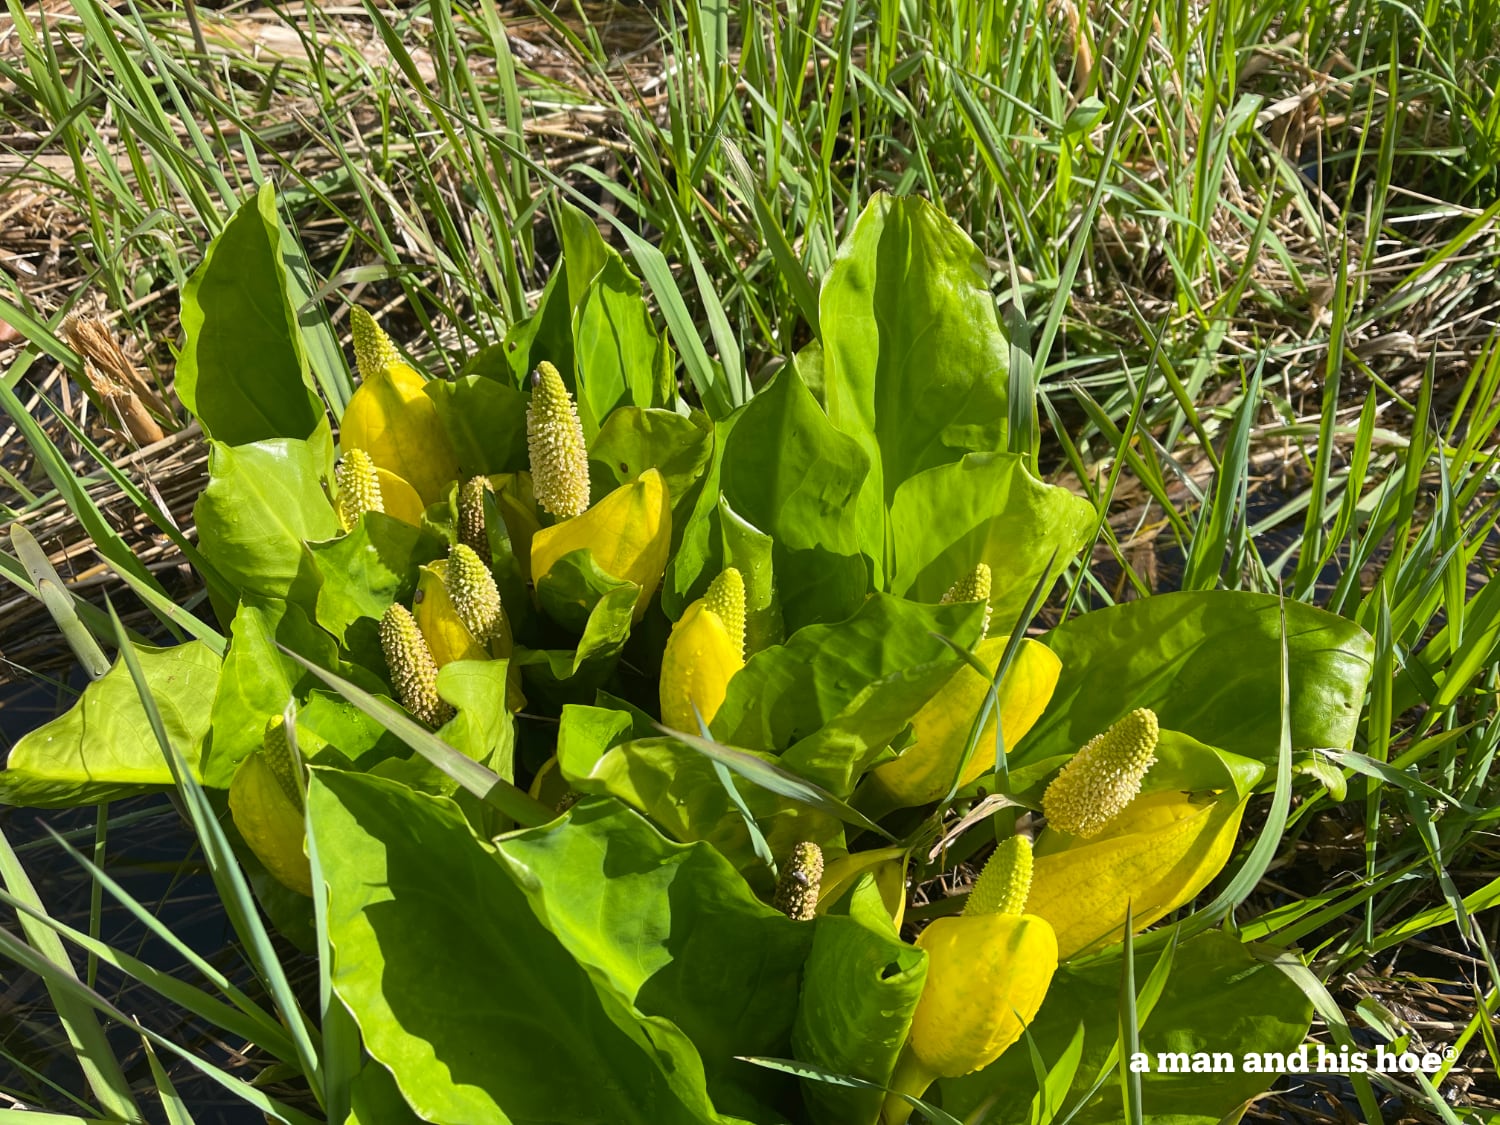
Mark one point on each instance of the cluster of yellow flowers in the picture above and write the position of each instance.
(1109, 851)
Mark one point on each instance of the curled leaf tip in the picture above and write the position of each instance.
(554, 439)
(1005, 882)
(1104, 777)
(359, 487)
(471, 528)
(373, 350)
(726, 597)
(472, 590)
(973, 587)
(801, 877)
(413, 671)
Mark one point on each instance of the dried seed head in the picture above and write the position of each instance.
(1005, 882)
(472, 590)
(413, 672)
(726, 597)
(373, 350)
(973, 587)
(554, 438)
(1103, 777)
(284, 762)
(359, 487)
(801, 879)
(471, 529)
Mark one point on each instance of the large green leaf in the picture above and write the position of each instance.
(482, 729)
(914, 362)
(859, 991)
(674, 930)
(243, 371)
(1208, 663)
(363, 572)
(633, 440)
(788, 692)
(478, 1011)
(104, 747)
(264, 501)
(258, 681)
(680, 790)
(485, 420)
(783, 469)
(1219, 997)
(791, 475)
(986, 508)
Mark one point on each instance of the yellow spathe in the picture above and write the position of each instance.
(629, 533)
(1156, 855)
(697, 663)
(941, 728)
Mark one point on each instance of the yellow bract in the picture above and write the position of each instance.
(391, 418)
(987, 975)
(270, 820)
(446, 635)
(400, 499)
(696, 666)
(629, 533)
(1155, 856)
(941, 728)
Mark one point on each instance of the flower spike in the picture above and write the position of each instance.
(797, 889)
(1005, 882)
(554, 439)
(413, 671)
(359, 487)
(373, 351)
(476, 599)
(471, 528)
(1103, 777)
(973, 587)
(726, 597)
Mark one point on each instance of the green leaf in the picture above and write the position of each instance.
(791, 475)
(914, 363)
(788, 692)
(678, 788)
(752, 552)
(574, 586)
(1219, 997)
(986, 508)
(104, 747)
(485, 421)
(838, 754)
(482, 729)
(1208, 663)
(633, 440)
(363, 572)
(263, 502)
(783, 469)
(257, 681)
(1182, 762)
(546, 334)
(509, 1029)
(243, 371)
(329, 721)
(676, 932)
(859, 991)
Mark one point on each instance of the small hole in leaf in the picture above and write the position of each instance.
(889, 971)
